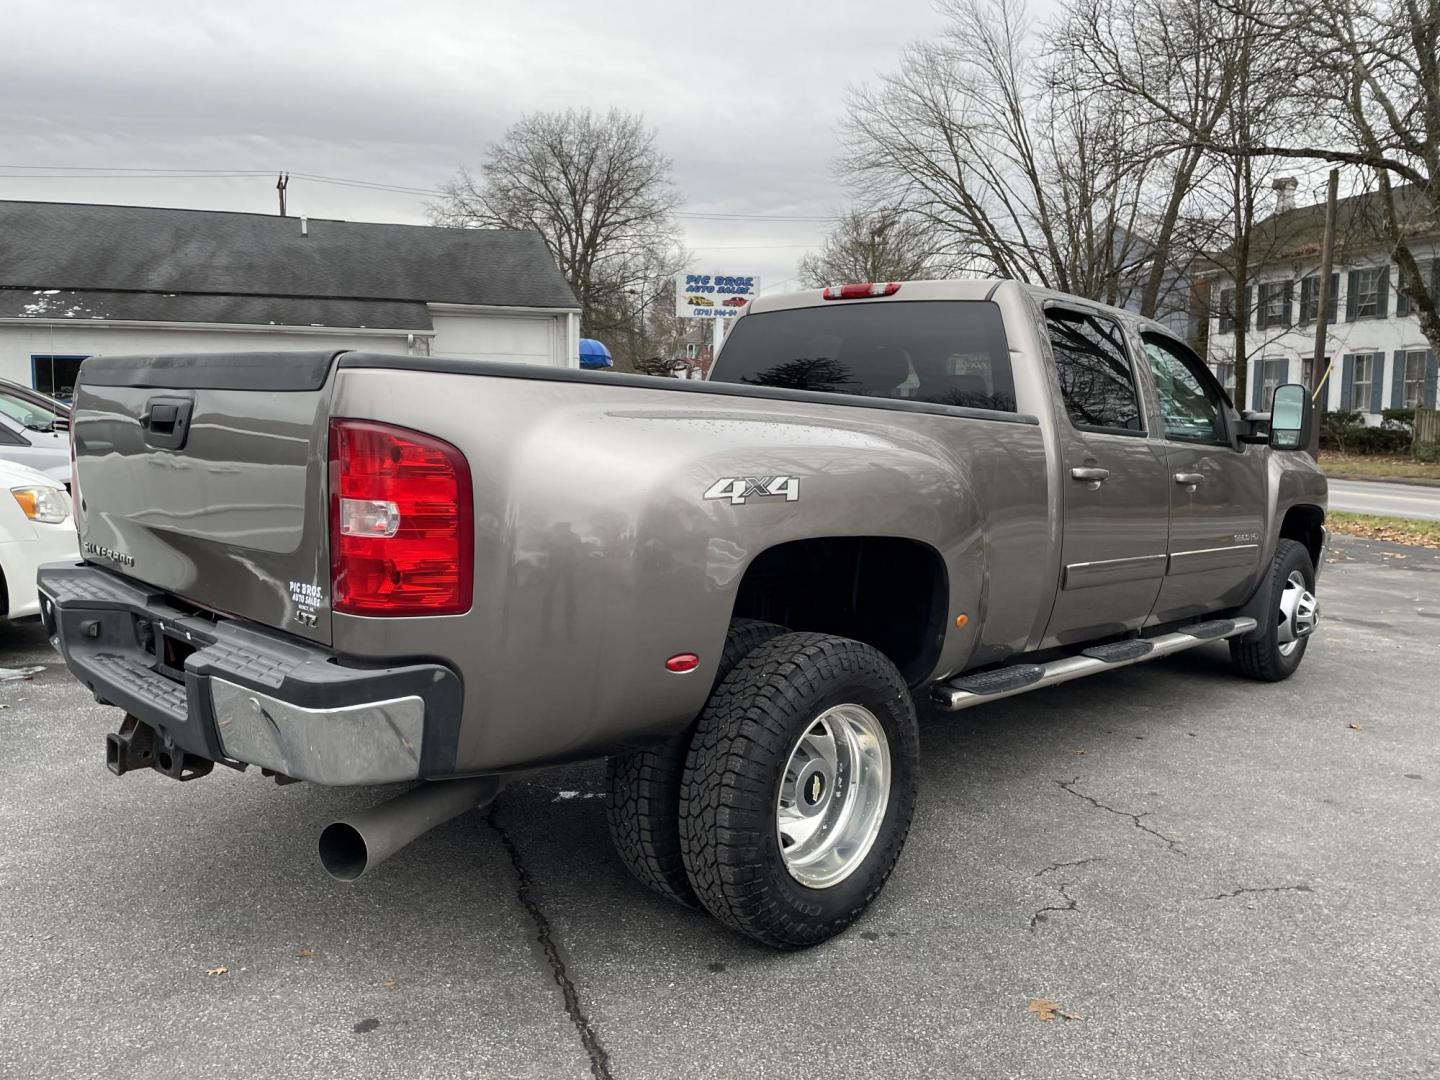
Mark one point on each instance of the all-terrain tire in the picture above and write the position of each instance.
(1262, 658)
(643, 787)
(738, 756)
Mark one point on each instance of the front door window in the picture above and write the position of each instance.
(1192, 408)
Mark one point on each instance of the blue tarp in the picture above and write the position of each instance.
(593, 354)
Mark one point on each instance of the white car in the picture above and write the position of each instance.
(36, 527)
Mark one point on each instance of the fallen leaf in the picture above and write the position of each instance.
(1079, 753)
(306, 952)
(1355, 727)
(389, 984)
(1047, 1010)
(222, 970)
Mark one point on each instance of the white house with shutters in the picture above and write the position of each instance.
(1376, 356)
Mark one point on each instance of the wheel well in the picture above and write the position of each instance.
(886, 591)
(1303, 525)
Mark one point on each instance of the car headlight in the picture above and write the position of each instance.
(47, 504)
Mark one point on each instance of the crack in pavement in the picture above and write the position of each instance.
(1135, 819)
(1268, 888)
(1071, 904)
(1065, 866)
(545, 935)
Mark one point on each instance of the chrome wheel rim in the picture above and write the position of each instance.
(1299, 613)
(833, 795)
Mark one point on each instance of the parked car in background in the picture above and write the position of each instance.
(36, 527)
(35, 431)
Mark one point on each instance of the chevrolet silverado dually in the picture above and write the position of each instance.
(357, 569)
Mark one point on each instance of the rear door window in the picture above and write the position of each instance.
(946, 352)
(1097, 383)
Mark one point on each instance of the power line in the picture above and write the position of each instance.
(140, 173)
(130, 172)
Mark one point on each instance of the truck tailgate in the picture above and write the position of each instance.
(205, 476)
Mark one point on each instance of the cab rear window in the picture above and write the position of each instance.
(947, 352)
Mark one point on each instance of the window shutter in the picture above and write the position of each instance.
(1377, 382)
(1261, 320)
(1347, 382)
(1430, 374)
(1402, 299)
(1397, 380)
(1287, 296)
(1307, 290)
(1352, 294)
(1258, 384)
(1227, 310)
(1382, 293)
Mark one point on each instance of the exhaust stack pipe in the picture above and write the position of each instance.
(356, 845)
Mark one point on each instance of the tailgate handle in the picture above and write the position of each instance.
(166, 421)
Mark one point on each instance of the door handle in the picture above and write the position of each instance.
(1188, 479)
(1090, 476)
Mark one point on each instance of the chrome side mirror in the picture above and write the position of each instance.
(1289, 416)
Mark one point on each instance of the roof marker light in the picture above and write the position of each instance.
(862, 290)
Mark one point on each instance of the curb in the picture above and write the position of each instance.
(1413, 481)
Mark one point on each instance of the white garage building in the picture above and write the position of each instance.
(80, 279)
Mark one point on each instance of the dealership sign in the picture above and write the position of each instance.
(713, 296)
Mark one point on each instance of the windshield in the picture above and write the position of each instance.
(28, 413)
(947, 352)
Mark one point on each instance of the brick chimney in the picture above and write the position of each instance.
(1285, 187)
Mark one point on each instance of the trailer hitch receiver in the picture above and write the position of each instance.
(137, 746)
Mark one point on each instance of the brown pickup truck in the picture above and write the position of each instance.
(358, 569)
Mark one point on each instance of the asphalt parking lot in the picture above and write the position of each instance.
(1217, 878)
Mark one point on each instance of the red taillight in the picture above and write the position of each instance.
(402, 535)
(861, 290)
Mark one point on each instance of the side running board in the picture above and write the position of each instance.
(979, 687)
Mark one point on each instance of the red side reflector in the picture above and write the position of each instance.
(861, 290)
(682, 662)
(422, 561)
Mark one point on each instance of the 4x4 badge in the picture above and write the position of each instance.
(739, 488)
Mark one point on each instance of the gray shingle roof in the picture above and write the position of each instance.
(219, 308)
(217, 266)
(1299, 233)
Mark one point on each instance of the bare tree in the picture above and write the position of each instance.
(597, 188)
(871, 245)
(1166, 61)
(1014, 170)
(1192, 73)
(1371, 88)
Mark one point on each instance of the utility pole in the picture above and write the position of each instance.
(1322, 309)
(282, 181)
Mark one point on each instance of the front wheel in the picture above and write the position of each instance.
(1293, 614)
(799, 788)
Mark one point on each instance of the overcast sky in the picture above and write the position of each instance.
(746, 96)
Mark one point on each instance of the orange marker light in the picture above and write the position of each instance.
(960, 621)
